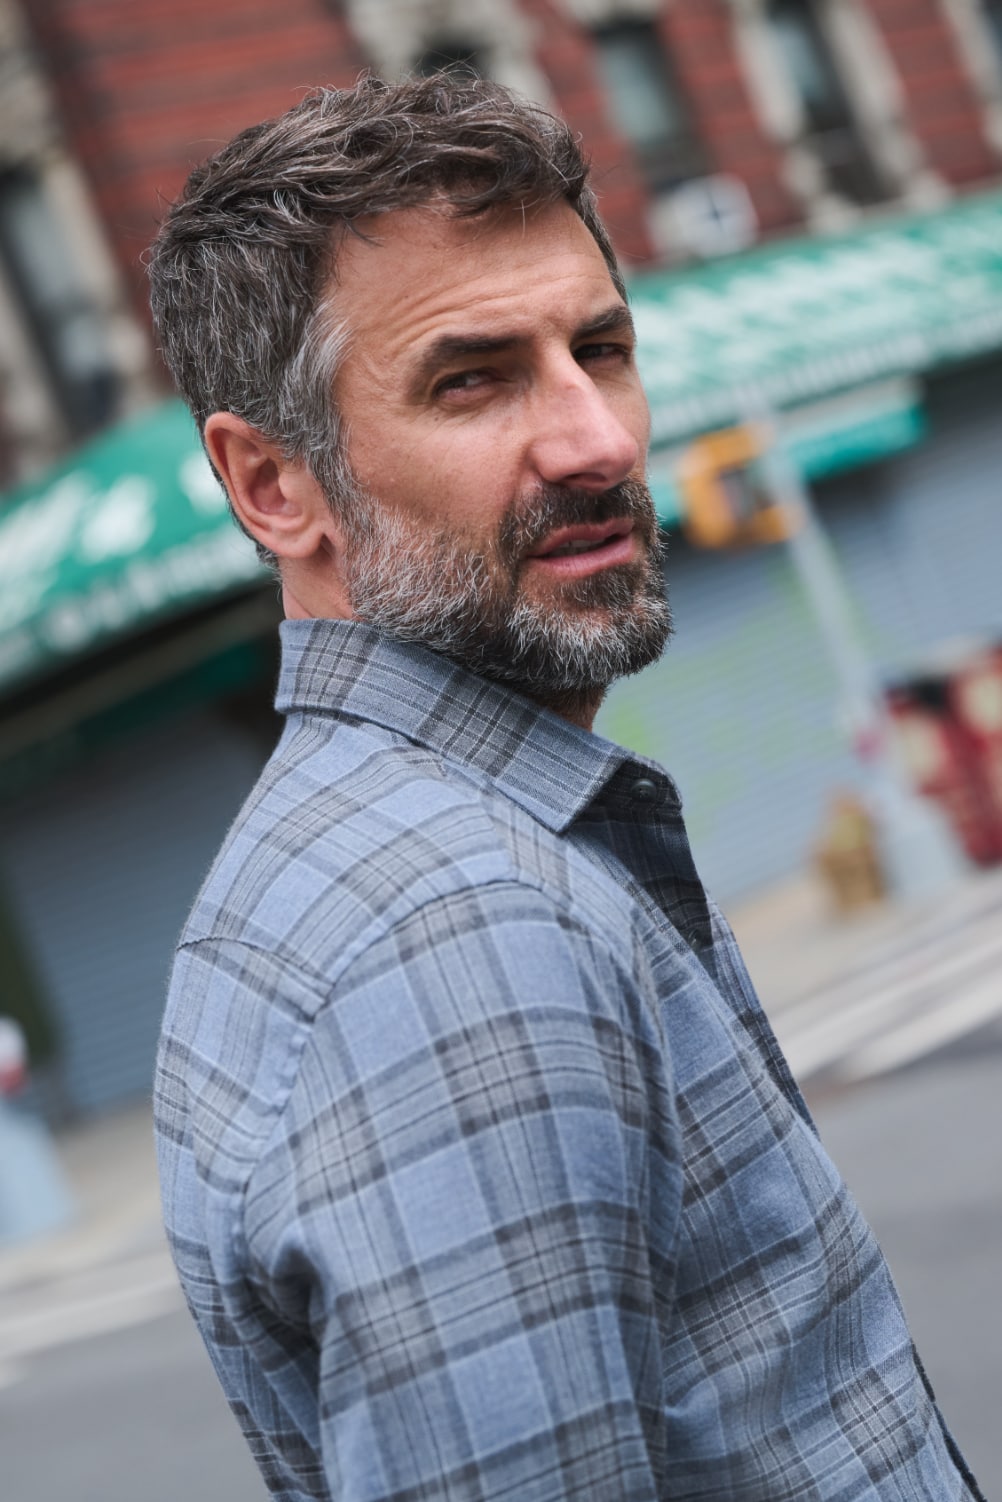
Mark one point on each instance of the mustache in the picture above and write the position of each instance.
(530, 519)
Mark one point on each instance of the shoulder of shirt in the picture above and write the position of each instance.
(347, 835)
(346, 858)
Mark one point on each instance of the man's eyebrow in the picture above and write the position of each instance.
(442, 351)
(449, 347)
(615, 320)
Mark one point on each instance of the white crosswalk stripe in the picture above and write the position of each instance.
(82, 1305)
(936, 984)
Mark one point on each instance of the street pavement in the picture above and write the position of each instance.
(877, 990)
(921, 1150)
(892, 1019)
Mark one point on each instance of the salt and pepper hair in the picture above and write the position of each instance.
(244, 260)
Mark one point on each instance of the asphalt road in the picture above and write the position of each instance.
(922, 1151)
(135, 1413)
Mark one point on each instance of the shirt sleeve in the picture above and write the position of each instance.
(471, 1209)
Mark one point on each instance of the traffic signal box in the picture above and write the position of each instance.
(727, 500)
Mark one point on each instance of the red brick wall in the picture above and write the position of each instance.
(566, 54)
(699, 38)
(941, 104)
(147, 88)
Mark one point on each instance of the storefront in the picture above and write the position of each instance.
(136, 665)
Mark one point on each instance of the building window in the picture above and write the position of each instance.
(451, 57)
(66, 326)
(647, 103)
(830, 129)
(993, 15)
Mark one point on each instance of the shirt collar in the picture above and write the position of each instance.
(347, 669)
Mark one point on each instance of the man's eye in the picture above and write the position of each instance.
(604, 351)
(462, 380)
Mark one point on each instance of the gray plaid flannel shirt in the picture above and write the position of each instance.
(483, 1173)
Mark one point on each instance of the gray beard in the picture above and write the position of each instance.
(419, 586)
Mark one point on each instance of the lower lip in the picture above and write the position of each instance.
(618, 550)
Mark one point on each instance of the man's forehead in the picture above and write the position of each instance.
(439, 215)
(402, 272)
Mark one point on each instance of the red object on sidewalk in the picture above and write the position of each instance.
(13, 1058)
(976, 701)
(947, 757)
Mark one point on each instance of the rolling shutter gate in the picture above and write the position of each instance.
(741, 710)
(126, 541)
(101, 867)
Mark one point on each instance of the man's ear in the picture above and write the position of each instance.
(277, 499)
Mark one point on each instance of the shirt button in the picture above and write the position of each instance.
(644, 790)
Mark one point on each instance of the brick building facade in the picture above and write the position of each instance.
(803, 114)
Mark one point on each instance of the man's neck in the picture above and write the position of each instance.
(579, 706)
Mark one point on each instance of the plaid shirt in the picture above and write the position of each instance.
(483, 1173)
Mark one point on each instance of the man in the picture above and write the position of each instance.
(483, 1172)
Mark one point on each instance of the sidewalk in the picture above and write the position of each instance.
(110, 1169)
(794, 945)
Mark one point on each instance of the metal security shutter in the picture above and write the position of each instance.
(922, 540)
(741, 709)
(100, 870)
(740, 712)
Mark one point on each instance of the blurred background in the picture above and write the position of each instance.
(806, 196)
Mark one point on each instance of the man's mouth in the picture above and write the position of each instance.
(579, 545)
(587, 546)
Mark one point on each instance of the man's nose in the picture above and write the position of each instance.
(580, 438)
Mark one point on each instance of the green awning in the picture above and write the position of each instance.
(129, 531)
(796, 321)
